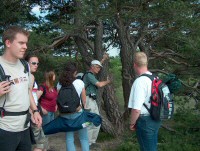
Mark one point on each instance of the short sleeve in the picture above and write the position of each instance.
(92, 79)
(41, 88)
(79, 85)
(138, 94)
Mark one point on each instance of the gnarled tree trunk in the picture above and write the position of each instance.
(108, 106)
(126, 54)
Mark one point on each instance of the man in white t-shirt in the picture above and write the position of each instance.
(15, 94)
(141, 122)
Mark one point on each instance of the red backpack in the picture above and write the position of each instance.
(162, 104)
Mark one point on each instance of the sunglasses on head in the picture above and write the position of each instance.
(35, 63)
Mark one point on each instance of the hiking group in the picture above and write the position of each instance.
(28, 110)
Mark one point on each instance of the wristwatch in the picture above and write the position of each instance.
(36, 111)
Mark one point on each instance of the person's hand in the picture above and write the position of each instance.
(4, 87)
(37, 119)
(132, 127)
(44, 111)
(105, 56)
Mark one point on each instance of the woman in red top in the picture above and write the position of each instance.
(48, 99)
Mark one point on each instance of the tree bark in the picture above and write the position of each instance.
(108, 106)
(126, 54)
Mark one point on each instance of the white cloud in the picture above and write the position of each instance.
(113, 51)
(36, 11)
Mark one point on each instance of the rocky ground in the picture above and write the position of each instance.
(57, 143)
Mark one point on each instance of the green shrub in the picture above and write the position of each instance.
(104, 137)
(128, 146)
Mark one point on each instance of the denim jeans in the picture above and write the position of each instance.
(147, 133)
(48, 118)
(83, 135)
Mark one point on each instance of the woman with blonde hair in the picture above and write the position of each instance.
(48, 95)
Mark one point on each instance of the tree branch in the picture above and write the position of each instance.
(166, 54)
(158, 70)
(59, 41)
(177, 62)
(168, 128)
(88, 43)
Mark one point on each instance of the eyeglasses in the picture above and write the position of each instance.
(35, 63)
(98, 67)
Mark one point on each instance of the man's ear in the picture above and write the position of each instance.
(7, 43)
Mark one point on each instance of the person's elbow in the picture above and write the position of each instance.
(100, 84)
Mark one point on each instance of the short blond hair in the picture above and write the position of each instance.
(140, 59)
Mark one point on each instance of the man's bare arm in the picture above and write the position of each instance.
(134, 116)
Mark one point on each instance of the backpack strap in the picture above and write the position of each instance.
(84, 76)
(7, 113)
(146, 107)
(34, 83)
(43, 94)
(26, 66)
(74, 91)
(2, 73)
(82, 102)
(24, 63)
(44, 90)
(151, 77)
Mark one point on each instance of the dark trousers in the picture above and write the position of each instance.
(15, 141)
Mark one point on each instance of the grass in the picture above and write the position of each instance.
(119, 96)
(180, 141)
(115, 69)
(102, 137)
(185, 138)
(185, 123)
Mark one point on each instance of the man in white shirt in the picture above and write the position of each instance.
(15, 94)
(141, 122)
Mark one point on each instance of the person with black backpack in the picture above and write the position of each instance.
(71, 99)
(15, 93)
(140, 121)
